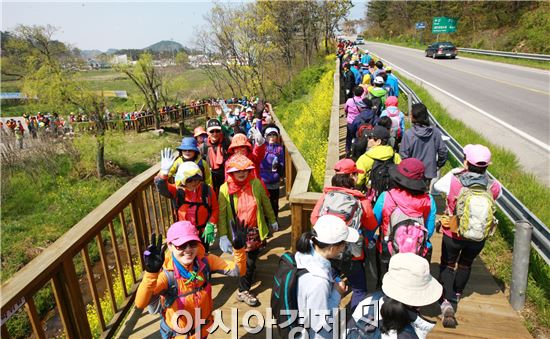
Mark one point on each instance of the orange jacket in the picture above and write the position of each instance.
(155, 283)
(186, 211)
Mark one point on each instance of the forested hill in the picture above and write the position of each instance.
(520, 26)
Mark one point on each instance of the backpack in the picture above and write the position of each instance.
(395, 131)
(379, 177)
(180, 200)
(475, 210)
(343, 205)
(377, 104)
(284, 295)
(360, 142)
(348, 208)
(406, 234)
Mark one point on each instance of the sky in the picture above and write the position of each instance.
(104, 25)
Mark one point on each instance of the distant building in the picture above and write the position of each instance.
(201, 60)
(93, 64)
(119, 59)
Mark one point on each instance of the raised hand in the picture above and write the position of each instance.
(153, 257)
(167, 158)
(239, 234)
(209, 233)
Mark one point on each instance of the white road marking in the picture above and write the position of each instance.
(524, 135)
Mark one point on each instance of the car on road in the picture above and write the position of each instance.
(442, 50)
(359, 40)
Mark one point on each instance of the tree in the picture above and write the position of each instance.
(182, 59)
(48, 74)
(150, 82)
(332, 12)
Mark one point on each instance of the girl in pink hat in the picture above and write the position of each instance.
(180, 280)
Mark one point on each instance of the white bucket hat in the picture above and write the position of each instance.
(409, 281)
(331, 230)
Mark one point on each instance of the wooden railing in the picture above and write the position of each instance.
(147, 122)
(127, 218)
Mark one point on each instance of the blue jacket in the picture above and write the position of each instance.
(358, 75)
(365, 59)
(364, 116)
(393, 83)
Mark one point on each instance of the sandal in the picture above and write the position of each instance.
(247, 297)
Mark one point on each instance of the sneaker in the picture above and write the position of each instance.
(247, 297)
(448, 314)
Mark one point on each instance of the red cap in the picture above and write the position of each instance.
(346, 166)
(411, 168)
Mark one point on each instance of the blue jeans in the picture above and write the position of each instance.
(358, 283)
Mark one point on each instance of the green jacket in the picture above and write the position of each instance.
(264, 209)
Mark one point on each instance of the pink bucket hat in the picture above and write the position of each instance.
(477, 155)
(181, 232)
(392, 101)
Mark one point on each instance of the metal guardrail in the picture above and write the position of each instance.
(528, 56)
(508, 203)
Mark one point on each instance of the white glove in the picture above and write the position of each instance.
(167, 159)
(258, 137)
(225, 244)
(275, 226)
(347, 91)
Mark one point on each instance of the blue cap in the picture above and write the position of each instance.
(188, 144)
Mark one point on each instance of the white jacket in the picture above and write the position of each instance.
(316, 292)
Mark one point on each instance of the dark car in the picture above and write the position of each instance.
(442, 50)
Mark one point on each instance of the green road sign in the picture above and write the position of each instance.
(443, 24)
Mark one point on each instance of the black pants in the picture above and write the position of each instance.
(218, 178)
(452, 251)
(246, 280)
(274, 200)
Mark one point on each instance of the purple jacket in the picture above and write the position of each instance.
(270, 172)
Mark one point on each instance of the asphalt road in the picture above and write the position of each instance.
(508, 104)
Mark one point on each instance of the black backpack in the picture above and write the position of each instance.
(360, 141)
(380, 177)
(284, 295)
(377, 105)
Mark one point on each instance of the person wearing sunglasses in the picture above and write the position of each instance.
(178, 280)
(216, 152)
(192, 198)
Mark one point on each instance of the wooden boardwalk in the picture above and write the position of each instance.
(484, 311)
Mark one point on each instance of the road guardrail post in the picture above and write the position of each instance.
(520, 264)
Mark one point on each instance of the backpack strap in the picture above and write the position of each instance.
(232, 204)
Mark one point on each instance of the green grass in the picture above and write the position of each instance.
(42, 198)
(306, 116)
(182, 84)
(520, 62)
(534, 195)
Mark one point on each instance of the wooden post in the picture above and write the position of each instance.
(288, 173)
(69, 301)
(296, 224)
